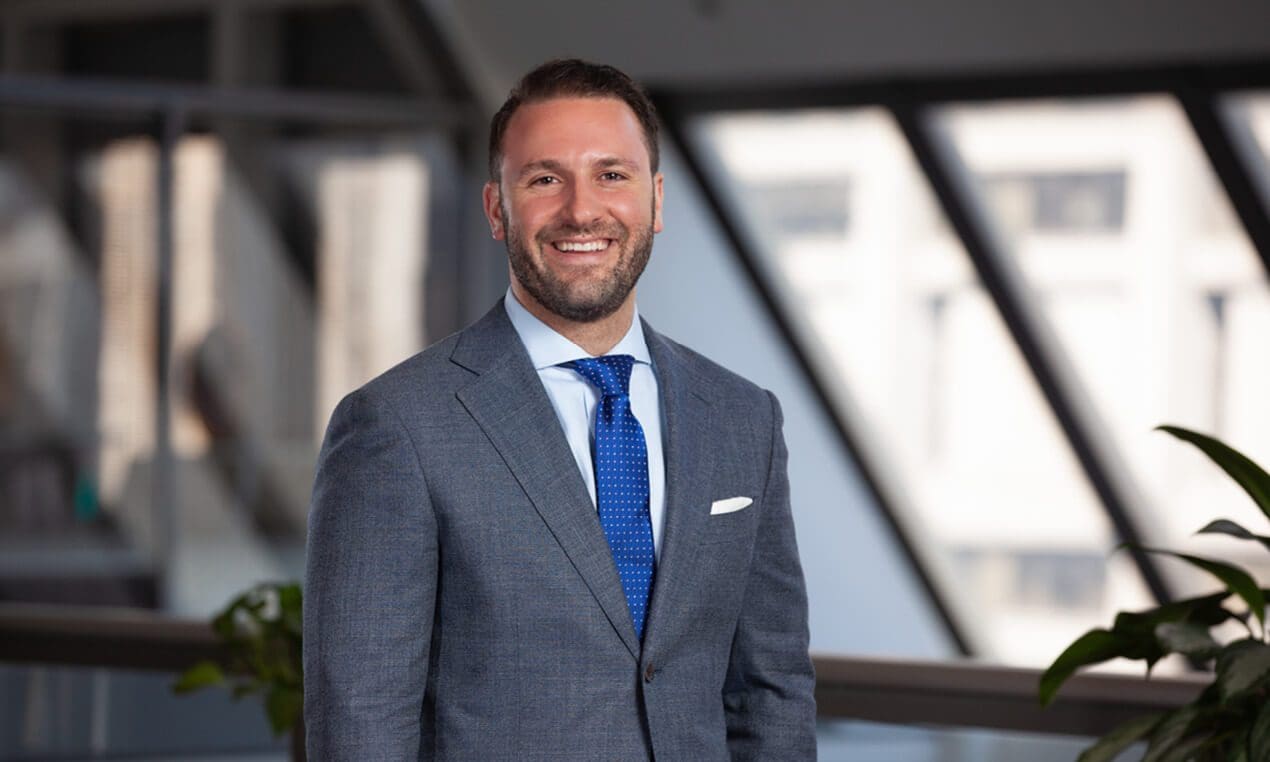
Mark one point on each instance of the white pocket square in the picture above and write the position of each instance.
(728, 505)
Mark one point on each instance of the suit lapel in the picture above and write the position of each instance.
(686, 400)
(508, 402)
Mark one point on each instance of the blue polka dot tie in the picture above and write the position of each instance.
(621, 479)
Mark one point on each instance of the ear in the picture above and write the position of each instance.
(657, 197)
(492, 198)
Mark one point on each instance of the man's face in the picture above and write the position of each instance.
(577, 204)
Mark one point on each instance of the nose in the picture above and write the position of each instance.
(583, 205)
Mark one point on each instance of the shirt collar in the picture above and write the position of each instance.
(548, 348)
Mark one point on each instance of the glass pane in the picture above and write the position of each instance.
(887, 300)
(77, 359)
(856, 741)
(1115, 218)
(61, 713)
(299, 269)
(296, 282)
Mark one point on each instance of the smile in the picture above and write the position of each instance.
(595, 245)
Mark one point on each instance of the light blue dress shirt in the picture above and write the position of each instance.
(575, 400)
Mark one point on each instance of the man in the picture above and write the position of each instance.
(558, 534)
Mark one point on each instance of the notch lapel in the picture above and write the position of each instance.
(508, 402)
(687, 401)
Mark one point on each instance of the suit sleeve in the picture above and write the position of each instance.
(370, 588)
(768, 696)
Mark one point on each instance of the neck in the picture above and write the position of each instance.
(596, 337)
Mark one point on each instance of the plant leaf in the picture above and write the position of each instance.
(1236, 742)
(1187, 638)
(1139, 627)
(223, 624)
(1181, 751)
(1226, 737)
(1226, 526)
(1205, 610)
(1093, 647)
(1186, 733)
(284, 706)
(1254, 480)
(199, 676)
(289, 606)
(1122, 737)
(1236, 580)
(1133, 636)
(1169, 733)
(245, 688)
(1241, 666)
(1259, 734)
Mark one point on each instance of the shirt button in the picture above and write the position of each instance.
(648, 673)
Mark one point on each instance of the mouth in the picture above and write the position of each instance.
(581, 245)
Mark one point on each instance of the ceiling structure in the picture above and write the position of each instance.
(670, 44)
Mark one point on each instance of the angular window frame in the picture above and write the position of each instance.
(1199, 90)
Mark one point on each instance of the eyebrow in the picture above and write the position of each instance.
(551, 165)
(615, 161)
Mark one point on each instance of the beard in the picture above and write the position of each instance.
(589, 297)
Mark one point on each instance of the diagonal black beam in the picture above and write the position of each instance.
(173, 123)
(951, 185)
(1230, 151)
(437, 49)
(748, 258)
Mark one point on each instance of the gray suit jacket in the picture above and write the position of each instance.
(461, 601)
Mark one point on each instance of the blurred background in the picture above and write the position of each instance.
(979, 250)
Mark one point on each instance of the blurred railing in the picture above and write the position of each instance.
(102, 637)
(889, 691)
(965, 694)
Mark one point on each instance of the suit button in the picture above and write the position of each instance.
(648, 673)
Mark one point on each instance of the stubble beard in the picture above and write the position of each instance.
(589, 300)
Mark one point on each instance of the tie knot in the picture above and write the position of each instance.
(611, 374)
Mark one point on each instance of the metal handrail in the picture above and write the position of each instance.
(102, 637)
(989, 696)
(962, 694)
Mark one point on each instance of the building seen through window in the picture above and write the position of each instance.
(270, 327)
(1129, 252)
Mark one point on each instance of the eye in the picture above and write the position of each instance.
(613, 176)
(545, 180)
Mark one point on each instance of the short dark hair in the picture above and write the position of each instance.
(571, 77)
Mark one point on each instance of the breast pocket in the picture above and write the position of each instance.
(735, 527)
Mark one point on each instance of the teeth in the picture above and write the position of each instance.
(578, 246)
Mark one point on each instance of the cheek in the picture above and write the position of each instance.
(532, 215)
(635, 211)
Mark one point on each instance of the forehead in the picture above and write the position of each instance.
(563, 129)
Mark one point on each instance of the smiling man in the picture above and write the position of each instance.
(558, 534)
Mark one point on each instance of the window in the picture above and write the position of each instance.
(1163, 317)
(1057, 202)
(294, 280)
(791, 209)
(917, 352)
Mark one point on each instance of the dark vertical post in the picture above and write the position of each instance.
(171, 126)
(482, 269)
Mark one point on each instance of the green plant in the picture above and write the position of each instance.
(1230, 719)
(259, 632)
